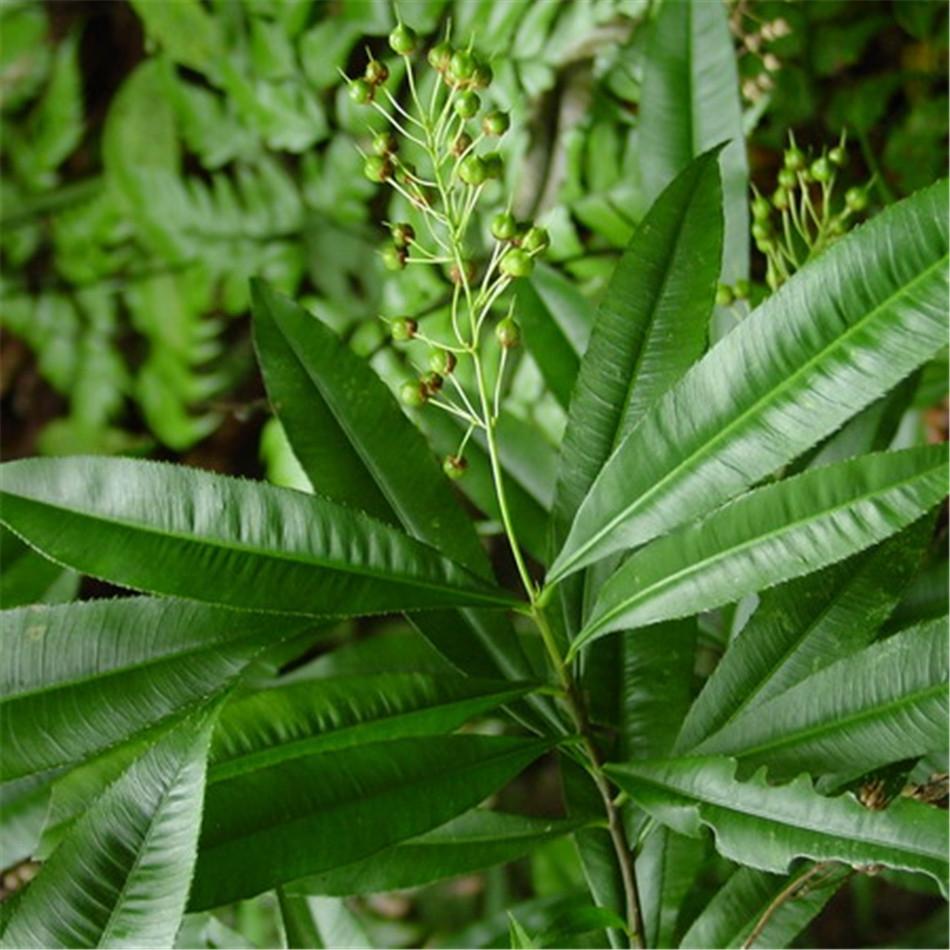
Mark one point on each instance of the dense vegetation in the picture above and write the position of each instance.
(595, 353)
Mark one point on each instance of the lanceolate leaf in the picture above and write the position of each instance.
(175, 530)
(476, 840)
(77, 678)
(885, 704)
(322, 811)
(120, 877)
(805, 625)
(322, 715)
(770, 535)
(842, 332)
(767, 826)
(737, 907)
(29, 578)
(689, 103)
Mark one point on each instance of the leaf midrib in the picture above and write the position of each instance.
(737, 422)
(788, 527)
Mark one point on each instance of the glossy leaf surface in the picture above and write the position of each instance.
(838, 335)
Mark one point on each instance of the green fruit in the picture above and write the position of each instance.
(723, 295)
(761, 231)
(456, 275)
(385, 143)
(412, 394)
(508, 332)
(403, 328)
(403, 234)
(516, 263)
(838, 156)
(494, 165)
(467, 105)
(496, 123)
(462, 66)
(821, 170)
(361, 91)
(431, 383)
(403, 40)
(394, 258)
(377, 168)
(761, 209)
(473, 171)
(536, 240)
(780, 200)
(856, 199)
(483, 76)
(441, 361)
(741, 289)
(440, 56)
(504, 226)
(454, 466)
(787, 178)
(376, 72)
(794, 159)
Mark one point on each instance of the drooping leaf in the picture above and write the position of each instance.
(737, 907)
(884, 704)
(312, 716)
(78, 678)
(174, 530)
(689, 103)
(322, 811)
(767, 826)
(771, 534)
(842, 332)
(471, 842)
(120, 877)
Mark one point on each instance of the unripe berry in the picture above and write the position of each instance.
(838, 156)
(461, 144)
(508, 333)
(403, 234)
(723, 295)
(504, 227)
(536, 240)
(741, 289)
(394, 258)
(482, 77)
(454, 466)
(361, 91)
(467, 104)
(440, 56)
(856, 199)
(441, 361)
(473, 170)
(780, 200)
(403, 328)
(761, 231)
(385, 143)
(462, 66)
(821, 169)
(787, 178)
(494, 165)
(403, 40)
(431, 383)
(836, 227)
(455, 275)
(761, 209)
(376, 72)
(496, 123)
(516, 263)
(377, 168)
(412, 394)
(794, 159)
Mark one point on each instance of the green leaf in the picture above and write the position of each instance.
(23, 807)
(300, 928)
(476, 840)
(322, 811)
(689, 103)
(331, 923)
(770, 535)
(651, 326)
(518, 937)
(885, 704)
(322, 715)
(842, 332)
(804, 625)
(738, 906)
(767, 826)
(174, 530)
(120, 878)
(29, 578)
(78, 678)
(186, 31)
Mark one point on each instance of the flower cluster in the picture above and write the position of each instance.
(800, 219)
(445, 127)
